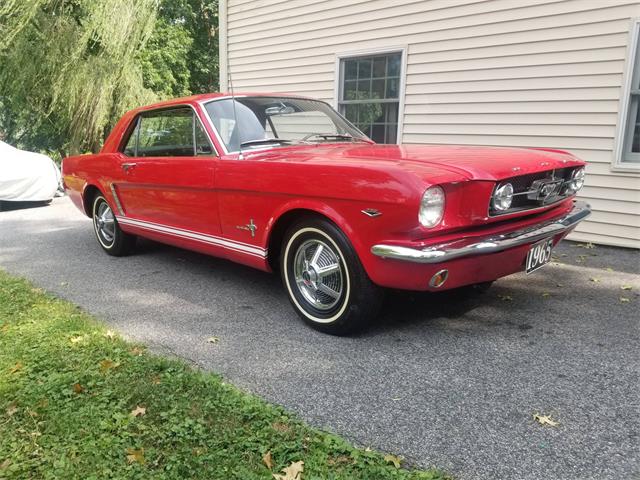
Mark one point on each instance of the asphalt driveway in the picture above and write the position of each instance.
(441, 379)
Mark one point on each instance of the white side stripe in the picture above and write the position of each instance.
(200, 237)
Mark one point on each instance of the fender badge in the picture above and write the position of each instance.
(250, 227)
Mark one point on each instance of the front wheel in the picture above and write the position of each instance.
(110, 236)
(325, 280)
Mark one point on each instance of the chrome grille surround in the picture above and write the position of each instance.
(535, 190)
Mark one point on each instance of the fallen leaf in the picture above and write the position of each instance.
(594, 280)
(559, 285)
(505, 298)
(106, 365)
(581, 258)
(213, 339)
(393, 459)
(626, 287)
(156, 380)
(4, 465)
(77, 339)
(135, 455)
(110, 334)
(138, 411)
(137, 351)
(16, 368)
(588, 246)
(78, 388)
(609, 269)
(292, 472)
(4, 328)
(624, 300)
(546, 294)
(12, 409)
(544, 420)
(368, 449)
(64, 284)
(266, 459)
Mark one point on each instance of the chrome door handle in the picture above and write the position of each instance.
(128, 166)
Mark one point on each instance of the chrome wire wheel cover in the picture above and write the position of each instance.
(105, 224)
(318, 274)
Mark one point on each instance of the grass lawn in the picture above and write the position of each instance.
(77, 401)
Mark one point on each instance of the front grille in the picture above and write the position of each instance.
(526, 190)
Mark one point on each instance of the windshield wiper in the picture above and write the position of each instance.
(265, 141)
(339, 136)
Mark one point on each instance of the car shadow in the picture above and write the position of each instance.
(6, 206)
(399, 309)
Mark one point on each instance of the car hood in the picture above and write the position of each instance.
(470, 162)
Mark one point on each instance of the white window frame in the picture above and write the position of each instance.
(624, 130)
(402, 50)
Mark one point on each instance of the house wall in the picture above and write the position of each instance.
(491, 72)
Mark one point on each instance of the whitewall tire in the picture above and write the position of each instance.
(109, 234)
(325, 280)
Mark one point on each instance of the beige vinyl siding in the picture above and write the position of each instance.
(490, 72)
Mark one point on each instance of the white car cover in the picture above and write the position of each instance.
(27, 176)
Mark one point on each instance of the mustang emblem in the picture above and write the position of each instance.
(545, 189)
(251, 227)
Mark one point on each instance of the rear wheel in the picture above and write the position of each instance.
(325, 280)
(109, 234)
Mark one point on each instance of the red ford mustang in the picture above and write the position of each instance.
(285, 183)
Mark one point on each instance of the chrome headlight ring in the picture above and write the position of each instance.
(502, 197)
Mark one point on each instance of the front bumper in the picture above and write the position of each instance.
(445, 252)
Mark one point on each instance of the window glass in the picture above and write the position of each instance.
(631, 151)
(130, 149)
(167, 133)
(370, 94)
(260, 119)
(298, 125)
(203, 145)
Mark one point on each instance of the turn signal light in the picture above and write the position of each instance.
(439, 278)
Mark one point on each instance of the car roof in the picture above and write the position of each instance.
(212, 96)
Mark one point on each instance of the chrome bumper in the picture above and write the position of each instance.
(473, 246)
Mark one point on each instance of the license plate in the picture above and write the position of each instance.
(539, 255)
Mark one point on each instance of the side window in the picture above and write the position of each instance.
(168, 133)
(130, 149)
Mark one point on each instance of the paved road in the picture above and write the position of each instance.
(440, 380)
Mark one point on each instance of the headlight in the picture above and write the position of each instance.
(502, 197)
(431, 207)
(576, 181)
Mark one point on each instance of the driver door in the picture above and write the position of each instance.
(168, 170)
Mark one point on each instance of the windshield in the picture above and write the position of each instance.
(274, 121)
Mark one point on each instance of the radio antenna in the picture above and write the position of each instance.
(235, 114)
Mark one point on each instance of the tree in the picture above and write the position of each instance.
(70, 68)
(199, 18)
